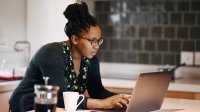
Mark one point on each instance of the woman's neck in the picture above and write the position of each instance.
(75, 54)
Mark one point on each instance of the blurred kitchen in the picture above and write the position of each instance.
(155, 32)
(139, 36)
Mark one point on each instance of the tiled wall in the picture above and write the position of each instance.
(148, 31)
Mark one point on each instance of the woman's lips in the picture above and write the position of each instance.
(93, 53)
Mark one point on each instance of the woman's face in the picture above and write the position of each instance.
(85, 46)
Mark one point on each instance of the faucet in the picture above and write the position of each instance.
(171, 68)
(18, 49)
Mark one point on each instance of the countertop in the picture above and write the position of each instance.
(174, 86)
(178, 85)
(112, 77)
(8, 85)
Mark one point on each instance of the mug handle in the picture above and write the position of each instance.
(81, 100)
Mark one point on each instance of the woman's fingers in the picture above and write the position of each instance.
(123, 100)
(117, 101)
(118, 105)
(125, 96)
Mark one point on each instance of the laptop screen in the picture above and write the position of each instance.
(149, 91)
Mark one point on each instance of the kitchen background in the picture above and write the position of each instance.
(26, 25)
(148, 31)
(135, 32)
(139, 36)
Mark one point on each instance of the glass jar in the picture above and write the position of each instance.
(45, 98)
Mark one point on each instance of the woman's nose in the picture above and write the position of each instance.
(96, 46)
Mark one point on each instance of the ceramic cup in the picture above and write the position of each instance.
(70, 101)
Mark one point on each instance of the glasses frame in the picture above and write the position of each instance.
(93, 42)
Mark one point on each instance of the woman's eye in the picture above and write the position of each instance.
(93, 41)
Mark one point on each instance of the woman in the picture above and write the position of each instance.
(72, 65)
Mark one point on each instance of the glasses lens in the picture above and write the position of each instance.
(93, 42)
(100, 41)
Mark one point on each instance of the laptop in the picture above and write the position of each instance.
(149, 91)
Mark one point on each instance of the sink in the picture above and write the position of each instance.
(15, 73)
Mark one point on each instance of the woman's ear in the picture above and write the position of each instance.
(74, 39)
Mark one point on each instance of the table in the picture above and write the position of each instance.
(185, 105)
(169, 105)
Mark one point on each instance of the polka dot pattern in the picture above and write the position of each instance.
(74, 83)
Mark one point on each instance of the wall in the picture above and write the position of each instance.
(38, 21)
(12, 21)
(148, 31)
(45, 22)
(12, 29)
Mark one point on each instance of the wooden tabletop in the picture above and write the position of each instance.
(169, 105)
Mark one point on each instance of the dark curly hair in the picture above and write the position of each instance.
(79, 19)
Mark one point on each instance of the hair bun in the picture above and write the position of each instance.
(76, 12)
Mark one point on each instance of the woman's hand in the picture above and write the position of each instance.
(113, 102)
(116, 101)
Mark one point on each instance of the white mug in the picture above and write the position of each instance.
(70, 101)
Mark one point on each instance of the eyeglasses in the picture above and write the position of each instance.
(93, 42)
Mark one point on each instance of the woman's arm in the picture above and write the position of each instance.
(50, 61)
(94, 85)
(100, 97)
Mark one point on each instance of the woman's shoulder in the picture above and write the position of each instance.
(50, 46)
(49, 49)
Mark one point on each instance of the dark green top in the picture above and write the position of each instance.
(50, 60)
